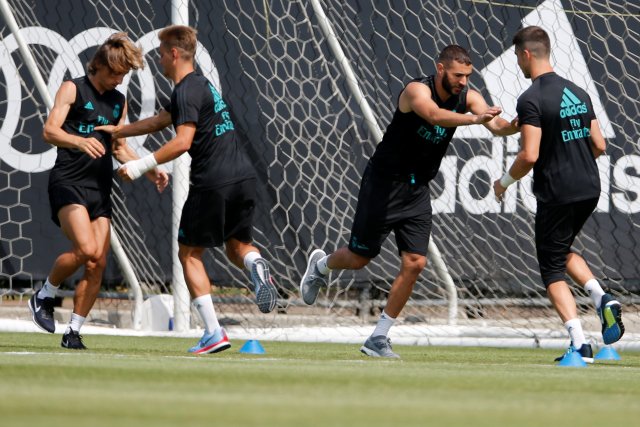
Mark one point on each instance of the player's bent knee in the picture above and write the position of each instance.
(549, 278)
(98, 264)
(187, 254)
(413, 269)
(358, 262)
(413, 263)
(88, 253)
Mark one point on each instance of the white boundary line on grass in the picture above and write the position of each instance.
(445, 335)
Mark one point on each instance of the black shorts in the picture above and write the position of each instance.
(556, 228)
(386, 204)
(97, 202)
(212, 216)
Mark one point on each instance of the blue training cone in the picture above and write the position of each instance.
(607, 353)
(252, 347)
(573, 360)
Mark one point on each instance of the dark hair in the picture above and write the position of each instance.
(456, 53)
(118, 53)
(534, 39)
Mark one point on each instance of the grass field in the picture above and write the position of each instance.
(133, 381)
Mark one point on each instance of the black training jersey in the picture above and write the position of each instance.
(566, 170)
(413, 147)
(90, 109)
(216, 156)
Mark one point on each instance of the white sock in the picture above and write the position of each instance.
(204, 305)
(249, 260)
(595, 291)
(384, 324)
(574, 327)
(48, 290)
(76, 322)
(322, 266)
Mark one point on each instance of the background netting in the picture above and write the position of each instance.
(306, 132)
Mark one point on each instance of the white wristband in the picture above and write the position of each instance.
(137, 168)
(507, 180)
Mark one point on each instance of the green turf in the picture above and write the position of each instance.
(131, 381)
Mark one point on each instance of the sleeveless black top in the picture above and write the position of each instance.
(411, 146)
(90, 109)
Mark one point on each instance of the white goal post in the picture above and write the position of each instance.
(312, 84)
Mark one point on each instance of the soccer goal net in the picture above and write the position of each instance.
(312, 85)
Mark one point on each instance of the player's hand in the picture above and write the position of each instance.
(161, 180)
(499, 190)
(119, 149)
(515, 124)
(92, 147)
(113, 130)
(122, 172)
(134, 169)
(488, 115)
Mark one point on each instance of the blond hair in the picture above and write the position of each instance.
(181, 37)
(118, 53)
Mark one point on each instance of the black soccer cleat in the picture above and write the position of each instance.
(72, 340)
(42, 312)
(585, 351)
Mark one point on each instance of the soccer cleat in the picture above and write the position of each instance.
(72, 340)
(379, 346)
(266, 293)
(312, 280)
(42, 312)
(585, 351)
(610, 313)
(212, 343)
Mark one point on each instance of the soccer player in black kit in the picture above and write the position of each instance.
(220, 205)
(394, 192)
(561, 140)
(80, 181)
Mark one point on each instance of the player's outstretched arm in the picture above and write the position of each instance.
(141, 127)
(124, 153)
(171, 150)
(497, 125)
(416, 97)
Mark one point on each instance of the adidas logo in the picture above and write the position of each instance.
(88, 106)
(571, 104)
